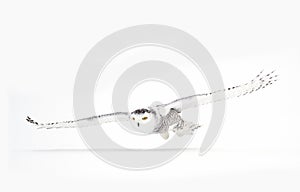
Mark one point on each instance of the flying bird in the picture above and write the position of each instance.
(163, 117)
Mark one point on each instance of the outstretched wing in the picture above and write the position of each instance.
(84, 122)
(259, 82)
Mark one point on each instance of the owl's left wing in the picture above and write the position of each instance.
(84, 122)
(259, 82)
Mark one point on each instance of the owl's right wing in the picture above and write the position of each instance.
(84, 122)
(259, 82)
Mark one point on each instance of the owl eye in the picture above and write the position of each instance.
(133, 118)
(144, 118)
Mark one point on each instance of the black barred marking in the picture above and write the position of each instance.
(32, 121)
(177, 110)
(39, 124)
(258, 88)
(141, 111)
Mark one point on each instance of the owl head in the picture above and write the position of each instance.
(143, 119)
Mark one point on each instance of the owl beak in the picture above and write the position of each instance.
(138, 124)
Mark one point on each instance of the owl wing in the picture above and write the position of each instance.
(84, 122)
(259, 82)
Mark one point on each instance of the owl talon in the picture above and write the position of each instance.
(185, 128)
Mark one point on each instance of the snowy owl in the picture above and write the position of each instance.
(162, 122)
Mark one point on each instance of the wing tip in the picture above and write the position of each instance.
(30, 120)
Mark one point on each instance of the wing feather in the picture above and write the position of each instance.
(84, 122)
(259, 82)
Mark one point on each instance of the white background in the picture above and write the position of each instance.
(43, 44)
